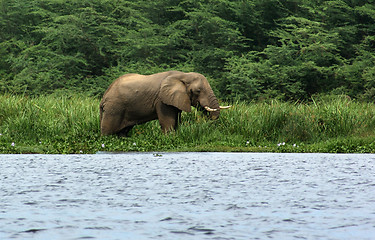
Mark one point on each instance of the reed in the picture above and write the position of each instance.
(70, 124)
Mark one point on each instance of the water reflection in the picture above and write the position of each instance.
(187, 196)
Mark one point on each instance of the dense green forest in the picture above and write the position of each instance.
(248, 49)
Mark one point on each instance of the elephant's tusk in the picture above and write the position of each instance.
(225, 107)
(214, 110)
(210, 109)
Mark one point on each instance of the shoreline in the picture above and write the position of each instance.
(70, 124)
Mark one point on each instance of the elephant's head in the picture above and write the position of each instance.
(184, 90)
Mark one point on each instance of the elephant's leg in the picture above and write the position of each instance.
(113, 123)
(109, 124)
(124, 132)
(179, 120)
(168, 117)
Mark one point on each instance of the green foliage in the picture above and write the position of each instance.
(70, 124)
(250, 50)
(302, 64)
(48, 121)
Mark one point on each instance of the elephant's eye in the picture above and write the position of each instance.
(195, 91)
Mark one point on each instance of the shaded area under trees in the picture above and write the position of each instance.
(249, 50)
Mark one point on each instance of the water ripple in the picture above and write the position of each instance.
(187, 196)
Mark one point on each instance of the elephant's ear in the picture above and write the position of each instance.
(173, 92)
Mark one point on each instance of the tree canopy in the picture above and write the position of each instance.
(249, 49)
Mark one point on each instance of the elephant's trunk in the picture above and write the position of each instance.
(213, 108)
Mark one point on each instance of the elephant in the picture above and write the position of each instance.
(134, 99)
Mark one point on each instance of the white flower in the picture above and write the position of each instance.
(247, 143)
(294, 145)
(13, 144)
(103, 145)
(134, 144)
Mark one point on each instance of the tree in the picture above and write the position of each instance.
(301, 64)
(248, 49)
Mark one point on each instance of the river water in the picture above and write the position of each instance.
(187, 196)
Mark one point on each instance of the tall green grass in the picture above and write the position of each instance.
(47, 123)
(70, 124)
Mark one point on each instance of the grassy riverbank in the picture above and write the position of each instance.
(64, 124)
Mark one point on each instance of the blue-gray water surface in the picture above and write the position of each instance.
(187, 196)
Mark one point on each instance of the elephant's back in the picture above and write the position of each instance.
(119, 81)
(131, 78)
(136, 82)
(156, 77)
